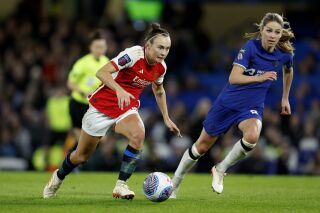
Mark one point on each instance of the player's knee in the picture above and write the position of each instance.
(202, 148)
(251, 137)
(137, 139)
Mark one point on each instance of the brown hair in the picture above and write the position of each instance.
(155, 30)
(284, 43)
(95, 35)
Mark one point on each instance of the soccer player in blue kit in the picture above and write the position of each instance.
(267, 53)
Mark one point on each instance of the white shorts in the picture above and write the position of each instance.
(97, 124)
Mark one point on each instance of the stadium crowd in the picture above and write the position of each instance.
(37, 54)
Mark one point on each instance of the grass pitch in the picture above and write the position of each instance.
(91, 192)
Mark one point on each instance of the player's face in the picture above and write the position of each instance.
(157, 51)
(270, 35)
(98, 47)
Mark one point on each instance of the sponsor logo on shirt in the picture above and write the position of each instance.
(140, 82)
(123, 60)
(253, 72)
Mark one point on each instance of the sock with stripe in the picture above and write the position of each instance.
(188, 160)
(66, 167)
(238, 152)
(129, 163)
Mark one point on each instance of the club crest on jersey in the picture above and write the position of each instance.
(240, 54)
(123, 60)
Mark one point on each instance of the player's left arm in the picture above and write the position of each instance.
(287, 80)
(160, 95)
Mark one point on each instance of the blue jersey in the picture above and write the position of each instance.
(255, 61)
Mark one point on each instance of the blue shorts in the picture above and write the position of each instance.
(220, 118)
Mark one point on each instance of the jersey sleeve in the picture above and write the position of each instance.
(128, 57)
(244, 55)
(289, 63)
(161, 77)
(76, 72)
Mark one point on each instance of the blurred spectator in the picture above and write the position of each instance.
(308, 147)
(59, 122)
(316, 165)
(7, 147)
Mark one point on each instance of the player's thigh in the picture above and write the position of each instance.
(251, 129)
(87, 144)
(131, 126)
(76, 133)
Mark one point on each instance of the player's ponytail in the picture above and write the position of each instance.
(154, 30)
(284, 43)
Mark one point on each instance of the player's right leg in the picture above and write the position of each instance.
(87, 145)
(131, 126)
(251, 129)
(190, 158)
(187, 162)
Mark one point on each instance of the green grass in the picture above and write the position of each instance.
(91, 192)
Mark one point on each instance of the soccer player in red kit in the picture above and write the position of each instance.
(114, 105)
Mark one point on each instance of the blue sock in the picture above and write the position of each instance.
(130, 159)
(66, 167)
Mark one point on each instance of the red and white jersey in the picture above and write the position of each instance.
(133, 75)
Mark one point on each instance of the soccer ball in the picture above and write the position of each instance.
(157, 187)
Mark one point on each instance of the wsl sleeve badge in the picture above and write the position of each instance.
(123, 60)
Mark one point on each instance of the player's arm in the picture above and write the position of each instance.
(104, 74)
(74, 87)
(237, 76)
(287, 80)
(160, 95)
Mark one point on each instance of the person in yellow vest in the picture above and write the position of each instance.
(82, 80)
(59, 123)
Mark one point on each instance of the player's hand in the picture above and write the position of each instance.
(272, 76)
(285, 107)
(88, 94)
(84, 94)
(123, 98)
(173, 127)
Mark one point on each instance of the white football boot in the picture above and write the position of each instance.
(50, 190)
(176, 183)
(121, 190)
(174, 193)
(217, 181)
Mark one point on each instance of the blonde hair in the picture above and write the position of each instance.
(284, 43)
